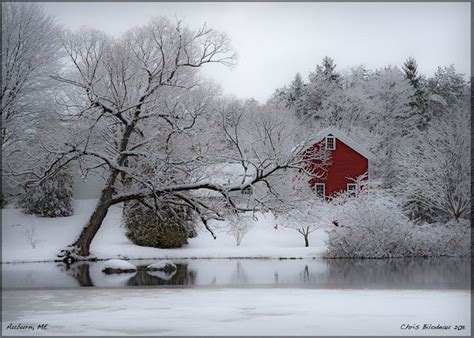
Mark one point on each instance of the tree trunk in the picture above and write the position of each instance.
(306, 240)
(81, 246)
(90, 230)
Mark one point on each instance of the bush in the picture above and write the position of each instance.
(168, 227)
(373, 226)
(53, 197)
(437, 240)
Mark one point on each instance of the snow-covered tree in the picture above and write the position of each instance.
(448, 84)
(146, 118)
(302, 209)
(291, 97)
(308, 216)
(30, 54)
(419, 101)
(327, 69)
(322, 82)
(238, 226)
(437, 168)
(393, 121)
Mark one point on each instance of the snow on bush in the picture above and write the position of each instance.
(52, 197)
(373, 226)
(118, 266)
(166, 266)
(439, 239)
(169, 227)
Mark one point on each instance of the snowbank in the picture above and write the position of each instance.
(118, 266)
(162, 266)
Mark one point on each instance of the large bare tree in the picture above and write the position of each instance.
(155, 128)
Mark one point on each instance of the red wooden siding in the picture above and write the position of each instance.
(346, 163)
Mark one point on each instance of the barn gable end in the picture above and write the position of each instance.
(349, 161)
(345, 139)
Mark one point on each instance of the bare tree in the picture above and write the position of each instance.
(30, 54)
(146, 119)
(307, 216)
(238, 227)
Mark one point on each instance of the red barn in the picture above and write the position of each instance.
(349, 168)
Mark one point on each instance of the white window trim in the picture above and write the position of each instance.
(324, 188)
(356, 190)
(333, 142)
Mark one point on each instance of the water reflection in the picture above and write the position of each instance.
(80, 272)
(318, 273)
(181, 276)
(402, 273)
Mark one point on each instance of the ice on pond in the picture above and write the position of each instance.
(236, 311)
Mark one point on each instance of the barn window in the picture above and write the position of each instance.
(352, 190)
(330, 142)
(319, 187)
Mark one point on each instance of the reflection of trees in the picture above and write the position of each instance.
(308, 277)
(399, 273)
(306, 273)
(410, 273)
(239, 276)
(80, 271)
(182, 276)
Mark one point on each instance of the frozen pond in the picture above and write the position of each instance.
(446, 273)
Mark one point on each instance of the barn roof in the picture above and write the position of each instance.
(345, 139)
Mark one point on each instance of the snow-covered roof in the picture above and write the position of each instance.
(345, 139)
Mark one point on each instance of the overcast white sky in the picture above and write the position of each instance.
(275, 40)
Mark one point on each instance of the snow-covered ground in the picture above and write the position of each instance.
(30, 238)
(235, 312)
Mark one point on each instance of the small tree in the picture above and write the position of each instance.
(238, 227)
(307, 217)
(301, 209)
